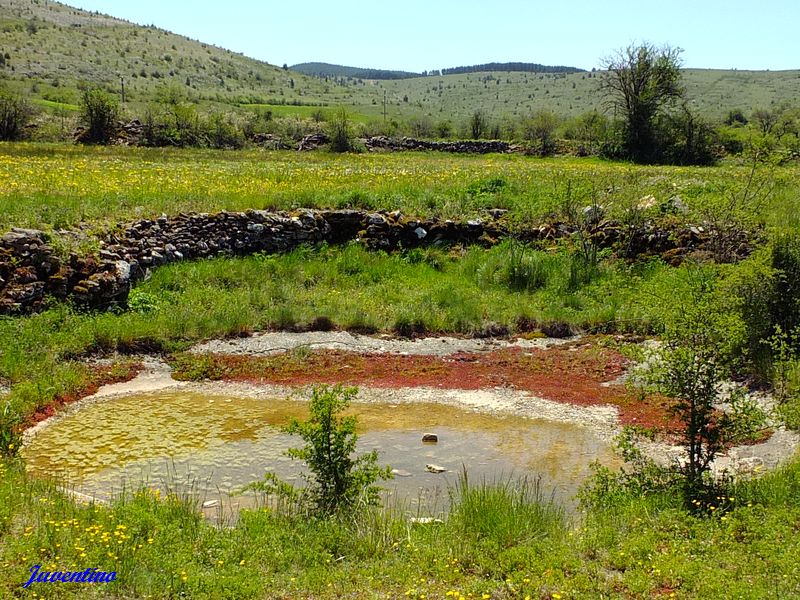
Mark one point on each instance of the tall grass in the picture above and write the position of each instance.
(503, 513)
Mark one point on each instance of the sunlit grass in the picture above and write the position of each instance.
(55, 186)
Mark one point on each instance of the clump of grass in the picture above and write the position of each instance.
(505, 513)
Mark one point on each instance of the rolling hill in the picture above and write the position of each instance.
(51, 51)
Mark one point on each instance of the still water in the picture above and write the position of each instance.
(214, 445)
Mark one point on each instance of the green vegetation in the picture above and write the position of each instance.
(99, 113)
(60, 186)
(338, 482)
(501, 540)
(75, 50)
(635, 537)
(15, 113)
(327, 70)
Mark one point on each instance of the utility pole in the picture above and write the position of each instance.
(122, 81)
(384, 106)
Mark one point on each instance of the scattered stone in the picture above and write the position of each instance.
(646, 202)
(677, 205)
(752, 464)
(431, 468)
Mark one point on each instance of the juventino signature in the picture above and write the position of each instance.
(87, 576)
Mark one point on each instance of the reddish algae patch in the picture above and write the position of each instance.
(98, 376)
(571, 373)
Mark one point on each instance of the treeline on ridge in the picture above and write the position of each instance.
(511, 66)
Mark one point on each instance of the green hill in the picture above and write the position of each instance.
(53, 48)
(50, 51)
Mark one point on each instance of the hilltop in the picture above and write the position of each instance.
(50, 51)
(322, 69)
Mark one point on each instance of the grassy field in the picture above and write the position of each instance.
(60, 186)
(500, 541)
(626, 547)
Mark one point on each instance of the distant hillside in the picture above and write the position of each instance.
(53, 49)
(511, 67)
(320, 69)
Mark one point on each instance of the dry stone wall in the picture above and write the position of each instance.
(31, 271)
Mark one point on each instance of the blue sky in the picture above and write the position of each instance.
(418, 35)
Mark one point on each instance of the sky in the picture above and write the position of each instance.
(417, 35)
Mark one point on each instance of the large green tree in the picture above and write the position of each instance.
(640, 82)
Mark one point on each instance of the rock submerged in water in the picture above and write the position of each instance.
(431, 468)
(400, 473)
(430, 438)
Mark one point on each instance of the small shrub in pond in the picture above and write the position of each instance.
(338, 482)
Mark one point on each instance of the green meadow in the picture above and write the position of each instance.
(502, 539)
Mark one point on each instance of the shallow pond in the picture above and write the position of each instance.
(213, 445)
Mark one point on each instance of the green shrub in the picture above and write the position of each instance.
(338, 482)
(9, 429)
(785, 304)
(339, 132)
(99, 112)
(15, 113)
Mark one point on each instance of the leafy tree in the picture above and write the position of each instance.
(735, 118)
(478, 125)
(99, 112)
(15, 113)
(640, 82)
(765, 120)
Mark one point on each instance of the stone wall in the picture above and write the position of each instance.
(31, 271)
(458, 147)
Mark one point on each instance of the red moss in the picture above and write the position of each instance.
(571, 373)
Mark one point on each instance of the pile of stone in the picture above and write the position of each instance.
(387, 144)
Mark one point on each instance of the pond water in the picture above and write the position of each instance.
(213, 445)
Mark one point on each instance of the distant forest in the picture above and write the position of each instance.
(318, 69)
(511, 66)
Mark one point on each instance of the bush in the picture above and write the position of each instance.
(700, 338)
(99, 112)
(339, 132)
(10, 421)
(15, 113)
(173, 125)
(785, 305)
(224, 132)
(338, 482)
